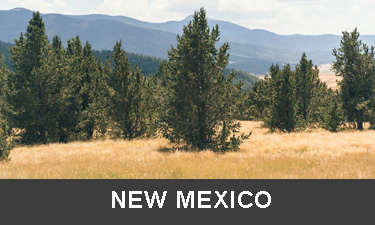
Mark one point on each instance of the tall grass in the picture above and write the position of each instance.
(314, 154)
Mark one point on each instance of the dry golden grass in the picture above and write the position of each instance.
(328, 76)
(316, 154)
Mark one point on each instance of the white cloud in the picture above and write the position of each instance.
(44, 6)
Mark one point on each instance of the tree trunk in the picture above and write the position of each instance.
(360, 123)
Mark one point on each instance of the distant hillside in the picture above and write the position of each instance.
(250, 50)
(148, 64)
(247, 78)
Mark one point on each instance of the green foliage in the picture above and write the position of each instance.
(147, 64)
(4, 73)
(355, 64)
(201, 101)
(6, 141)
(257, 101)
(248, 80)
(221, 143)
(332, 112)
(281, 113)
(55, 94)
(294, 100)
(307, 84)
(27, 95)
(4, 50)
(130, 96)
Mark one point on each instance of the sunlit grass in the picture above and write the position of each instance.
(314, 154)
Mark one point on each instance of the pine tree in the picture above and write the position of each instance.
(129, 109)
(257, 101)
(331, 111)
(355, 64)
(91, 77)
(200, 99)
(53, 72)
(6, 141)
(281, 113)
(307, 83)
(4, 73)
(27, 97)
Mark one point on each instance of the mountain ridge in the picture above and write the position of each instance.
(251, 50)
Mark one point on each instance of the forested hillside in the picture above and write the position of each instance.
(147, 64)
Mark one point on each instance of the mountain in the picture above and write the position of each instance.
(251, 50)
(101, 33)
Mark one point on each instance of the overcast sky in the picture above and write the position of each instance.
(279, 16)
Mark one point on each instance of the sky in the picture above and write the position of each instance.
(279, 16)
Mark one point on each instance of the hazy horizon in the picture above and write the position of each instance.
(286, 17)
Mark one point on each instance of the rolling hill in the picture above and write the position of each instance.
(252, 50)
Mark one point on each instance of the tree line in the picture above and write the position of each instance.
(291, 100)
(58, 94)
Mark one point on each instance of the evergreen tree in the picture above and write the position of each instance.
(257, 101)
(129, 109)
(27, 96)
(93, 87)
(6, 141)
(4, 73)
(333, 116)
(53, 71)
(281, 113)
(200, 100)
(355, 64)
(307, 83)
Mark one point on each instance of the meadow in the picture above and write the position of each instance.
(310, 154)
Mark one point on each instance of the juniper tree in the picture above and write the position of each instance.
(200, 100)
(355, 64)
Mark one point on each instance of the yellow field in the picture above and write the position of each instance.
(316, 154)
(328, 76)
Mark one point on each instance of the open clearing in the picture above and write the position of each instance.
(328, 76)
(314, 154)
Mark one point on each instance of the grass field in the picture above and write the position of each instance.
(328, 76)
(314, 154)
